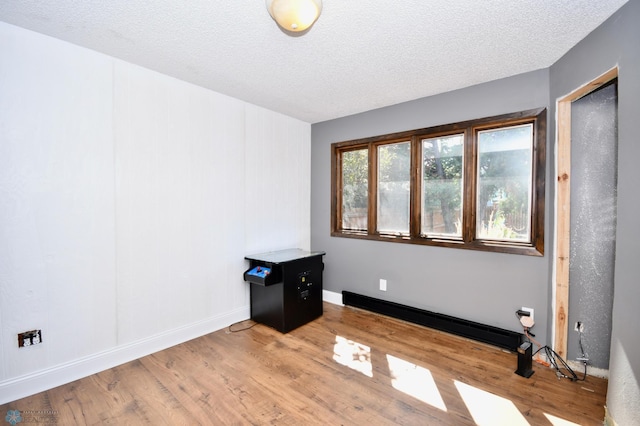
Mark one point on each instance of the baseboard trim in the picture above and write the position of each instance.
(578, 368)
(332, 297)
(499, 337)
(39, 381)
(608, 420)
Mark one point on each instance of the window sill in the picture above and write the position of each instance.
(526, 249)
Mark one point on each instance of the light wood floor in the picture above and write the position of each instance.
(350, 367)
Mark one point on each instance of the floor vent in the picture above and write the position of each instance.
(483, 333)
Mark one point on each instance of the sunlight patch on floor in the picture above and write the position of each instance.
(557, 421)
(488, 409)
(353, 355)
(415, 381)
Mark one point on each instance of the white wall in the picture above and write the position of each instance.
(128, 200)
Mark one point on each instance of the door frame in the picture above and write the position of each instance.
(563, 209)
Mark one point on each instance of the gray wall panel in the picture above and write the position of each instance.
(478, 286)
(486, 287)
(615, 43)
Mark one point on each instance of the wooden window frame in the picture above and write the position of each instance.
(535, 247)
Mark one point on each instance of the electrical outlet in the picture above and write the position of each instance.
(530, 310)
(383, 285)
(579, 327)
(29, 338)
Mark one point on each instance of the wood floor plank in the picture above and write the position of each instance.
(349, 367)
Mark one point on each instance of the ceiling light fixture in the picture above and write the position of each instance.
(294, 15)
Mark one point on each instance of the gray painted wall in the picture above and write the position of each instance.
(478, 286)
(616, 43)
(487, 287)
(594, 172)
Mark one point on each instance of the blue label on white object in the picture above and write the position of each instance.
(260, 271)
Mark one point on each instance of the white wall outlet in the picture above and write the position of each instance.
(383, 285)
(530, 310)
(579, 327)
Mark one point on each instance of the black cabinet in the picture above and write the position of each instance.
(286, 288)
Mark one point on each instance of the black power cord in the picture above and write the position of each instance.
(552, 356)
(559, 364)
(230, 330)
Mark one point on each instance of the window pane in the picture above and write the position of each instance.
(504, 184)
(442, 179)
(355, 189)
(394, 166)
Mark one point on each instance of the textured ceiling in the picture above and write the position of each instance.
(359, 55)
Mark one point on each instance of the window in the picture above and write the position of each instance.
(355, 195)
(393, 195)
(476, 185)
(504, 183)
(442, 186)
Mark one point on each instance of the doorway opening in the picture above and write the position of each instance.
(585, 220)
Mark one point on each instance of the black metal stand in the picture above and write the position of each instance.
(525, 358)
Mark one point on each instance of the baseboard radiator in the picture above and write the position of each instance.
(499, 337)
